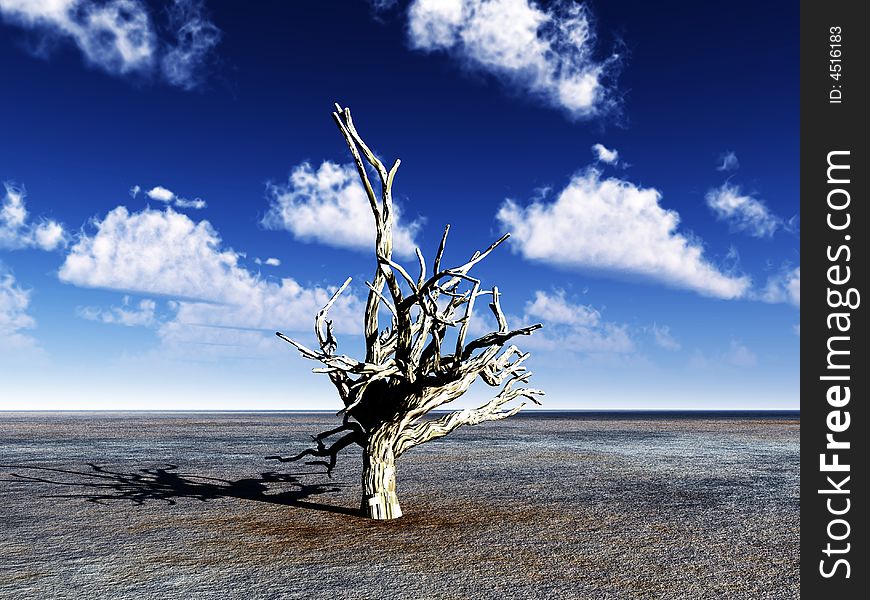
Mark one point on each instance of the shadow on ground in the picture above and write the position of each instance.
(100, 484)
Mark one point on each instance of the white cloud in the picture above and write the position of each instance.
(742, 212)
(116, 36)
(49, 235)
(557, 310)
(163, 194)
(196, 203)
(162, 252)
(570, 327)
(286, 305)
(141, 315)
(121, 37)
(13, 214)
(330, 206)
(604, 154)
(185, 341)
(739, 355)
(160, 193)
(14, 318)
(616, 226)
(270, 262)
(545, 51)
(785, 286)
(16, 230)
(195, 37)
(728, 162)
(663, 338)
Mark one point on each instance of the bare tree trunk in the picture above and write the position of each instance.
(379, 500)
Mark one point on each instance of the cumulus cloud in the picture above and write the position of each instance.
(328, 205)
(728, 162)
(140, 315)
(573, 327)
(546, 51)
(160, 193)
(14, 317)
(785, 286)
(613, 225)
(16, 229)
(162, 252)
(121, 37)
(742, 212)
(604, 154)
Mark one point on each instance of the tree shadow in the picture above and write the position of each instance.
(166, 484)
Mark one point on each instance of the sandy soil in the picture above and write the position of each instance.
(583, 506)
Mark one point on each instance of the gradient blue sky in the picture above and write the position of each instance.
(666, 278)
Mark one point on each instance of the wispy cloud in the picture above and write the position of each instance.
(557, 309)
(573, 327)
(742, 212)
(14, 317)
(122, 37)
(736, 355)
(784, 286)
(663, 338)
(194, 38)
(329, 206)
(604, 154)
(196, 203)
(739, 355)
(728, 162)
(140, 315)
(613, 225)
(16, 229)
(547, 51)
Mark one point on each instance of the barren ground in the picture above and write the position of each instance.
(114, 505)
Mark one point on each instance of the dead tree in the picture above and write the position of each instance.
(420, 362)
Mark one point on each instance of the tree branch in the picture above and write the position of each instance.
(419, 433)
(323, 451)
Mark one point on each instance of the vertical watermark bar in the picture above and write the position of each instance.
(834, 172)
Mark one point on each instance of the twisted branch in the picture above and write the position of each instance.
(405, 375)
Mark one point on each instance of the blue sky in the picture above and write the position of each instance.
(175, 191)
